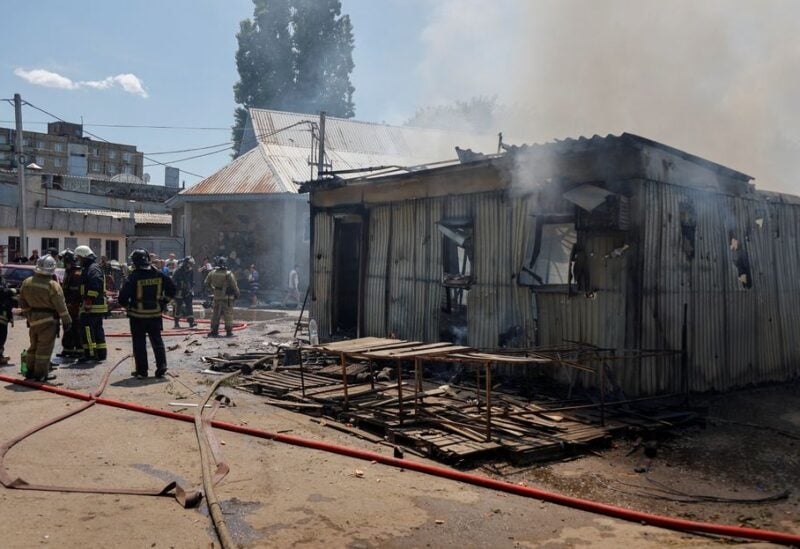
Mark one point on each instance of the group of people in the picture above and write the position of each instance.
(78, 304)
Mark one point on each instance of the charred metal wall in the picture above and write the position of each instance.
(403, 289)
(699, 239)
(740, 330)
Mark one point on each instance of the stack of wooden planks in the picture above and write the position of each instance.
(452, 423)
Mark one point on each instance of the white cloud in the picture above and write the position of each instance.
(41, 77)
(103, 84)
(130, 83)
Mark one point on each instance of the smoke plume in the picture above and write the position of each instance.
(716, 78)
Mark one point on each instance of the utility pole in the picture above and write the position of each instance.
(321, 161)
(23, 205)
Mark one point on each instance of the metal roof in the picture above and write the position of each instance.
(556, 147)
(140, 218)
(251, 173)
(282, 157)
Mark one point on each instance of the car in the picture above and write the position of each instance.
(15, 274)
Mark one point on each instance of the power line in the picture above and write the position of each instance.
(191, 150)
(105, 140)
(140, 126)
(227, 148)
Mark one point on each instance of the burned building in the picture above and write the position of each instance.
(619, 242)
(251, 207)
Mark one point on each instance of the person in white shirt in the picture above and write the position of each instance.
(294, 288)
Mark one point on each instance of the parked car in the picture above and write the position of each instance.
(15, 274)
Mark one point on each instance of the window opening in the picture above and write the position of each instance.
(557, 252)
(112, 249)
(741, 261)
(48, 243)
(457, 276)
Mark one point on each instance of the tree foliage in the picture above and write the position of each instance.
(476, 115)
(294, 55)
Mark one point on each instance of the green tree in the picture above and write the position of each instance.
(476, 115)
(294, 55)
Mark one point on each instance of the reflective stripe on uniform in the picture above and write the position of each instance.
(90, 345)
(139, 310)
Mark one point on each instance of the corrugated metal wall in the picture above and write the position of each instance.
(403, 238)
(321, 303)
(736, 335)
(599, 318)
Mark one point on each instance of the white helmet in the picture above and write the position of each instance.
(45, 266)
(84, 251)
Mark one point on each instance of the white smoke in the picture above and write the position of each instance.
(130, 83)
(716, 78)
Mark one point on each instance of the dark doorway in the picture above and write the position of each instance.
(346, 276)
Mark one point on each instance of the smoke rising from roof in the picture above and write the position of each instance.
(717, 78)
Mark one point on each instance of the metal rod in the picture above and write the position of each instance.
(300, 318)
(602, 394)
(488, 367)
(400, 389)
(344, 379)
(23, 201)
(302, 377)
(321, 161)
(417, 386)
(478, 387)
(685, 354)
(615, 403)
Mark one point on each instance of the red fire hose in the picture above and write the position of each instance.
(477, 480)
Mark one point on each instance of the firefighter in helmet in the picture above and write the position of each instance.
(222, 283)
(145, 294)
(7, 302)
(184, 291)
(71, 286)
(94, 307)
(42, 302)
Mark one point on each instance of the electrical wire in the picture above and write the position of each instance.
(106, 140)
(133, 126)
(156, 162)
(175, 161)
(189, 150)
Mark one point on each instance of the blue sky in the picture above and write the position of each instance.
(183, 53)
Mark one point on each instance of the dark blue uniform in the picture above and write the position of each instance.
(144, 294)
(95, 308)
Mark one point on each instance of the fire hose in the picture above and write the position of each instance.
(185, 498)
(468, 478)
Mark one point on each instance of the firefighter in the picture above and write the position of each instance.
(222, 283)
(145, 294)
(42, 302)
(184, 291)
(7, 299)
(93, 308)
(71, 339)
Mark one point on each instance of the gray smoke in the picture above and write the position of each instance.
(717, 78)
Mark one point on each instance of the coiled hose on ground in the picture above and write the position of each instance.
(477, 480)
